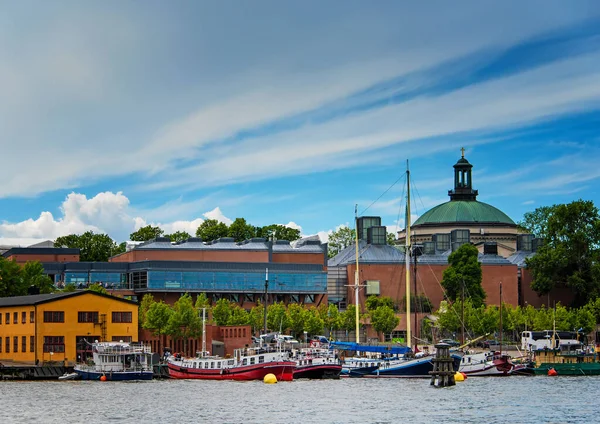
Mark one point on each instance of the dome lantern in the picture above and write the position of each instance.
(463, 180)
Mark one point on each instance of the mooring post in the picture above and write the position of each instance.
(443, 369)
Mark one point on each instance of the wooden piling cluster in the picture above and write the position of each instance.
(443, 369)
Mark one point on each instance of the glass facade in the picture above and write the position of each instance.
(107, 279)
(233, 281)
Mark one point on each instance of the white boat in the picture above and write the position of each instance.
(117, 361)
(490, 363)
(69, 376)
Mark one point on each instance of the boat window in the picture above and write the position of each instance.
(194, 365)
(219, 364)
(212, 364)
(261, 359)
(252, 361)
(245, 361)
(206, 365)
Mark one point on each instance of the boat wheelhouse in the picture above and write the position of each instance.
(246, 364)
(117, 361)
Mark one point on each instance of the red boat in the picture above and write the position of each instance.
(246, 364)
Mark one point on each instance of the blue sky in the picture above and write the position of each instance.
(116, 115)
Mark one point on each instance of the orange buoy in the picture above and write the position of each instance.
(464, 375)
(552, 372)
(103, 378)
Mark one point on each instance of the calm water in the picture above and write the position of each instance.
(477, 400)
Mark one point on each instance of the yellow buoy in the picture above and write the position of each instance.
(459, 377)
(270, 379)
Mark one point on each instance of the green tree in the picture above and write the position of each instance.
(391, 239)
(314, 323)
(332, 319)
(348, 319)
(145, 304)
(238, 316)
(96, 287)
(340, 239)
(92, 247)
(211, 229)
(221, 313)
(384, 320)
(202, 302)
(178, 236)
(536, 222)
(373, 302)
(185, 323)
(256, 318)
(277, 231)
(33, 275)
(70, 287)
(11, 280)
(570, 253)
(120, 248)
(158, 320)
(240, 230)
(146, 233)
(277, 317)
(464, 269)
(297, 317)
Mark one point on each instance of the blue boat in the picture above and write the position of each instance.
(117, 361)
(394, 361)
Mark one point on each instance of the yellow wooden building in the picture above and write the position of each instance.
(59, 327)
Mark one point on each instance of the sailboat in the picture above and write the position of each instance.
(395, 361)
(488, 363)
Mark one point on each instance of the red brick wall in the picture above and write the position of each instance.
(299, 258)
(558, 294)
(21, 259)
(392, 278)
(193, 255)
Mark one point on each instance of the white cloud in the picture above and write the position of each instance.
(106, 212)
(218, 215)
(70, 73)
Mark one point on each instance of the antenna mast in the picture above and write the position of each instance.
(407, 259)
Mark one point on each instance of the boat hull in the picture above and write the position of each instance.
(115, 376)
(283, 370)
(585, 368)
(323, 371)
(412, 368)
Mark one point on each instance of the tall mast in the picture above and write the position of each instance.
(356, 275)
(500, 316)
(203, 332)
(266, 290)
(407, 259)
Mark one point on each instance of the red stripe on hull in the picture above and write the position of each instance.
(284, 371)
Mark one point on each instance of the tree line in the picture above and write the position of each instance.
(481, 320)
(182, 321)
(100, 247)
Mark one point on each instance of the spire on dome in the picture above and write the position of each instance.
(463, 182)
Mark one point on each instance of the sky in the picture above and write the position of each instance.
(118, 114)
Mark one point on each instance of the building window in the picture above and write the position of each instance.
(23, 317)
(54, 344)
(32, 317)
(7, 344)
(15, 317)
(8, 318)
(24, 344)
(87, 317)
(126, 339)
(32, 343)
(0, 318)
(16, 344)
(54, 316)
(0, 344)
(118, 317)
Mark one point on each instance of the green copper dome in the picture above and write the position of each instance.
(456, 211)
